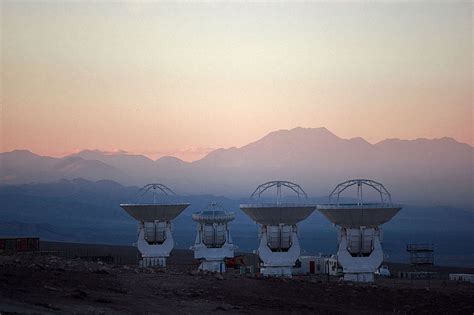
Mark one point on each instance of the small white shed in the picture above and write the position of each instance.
(316, 265)
(462, 277)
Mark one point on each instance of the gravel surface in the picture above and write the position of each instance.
(53, 285)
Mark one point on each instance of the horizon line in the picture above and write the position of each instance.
(209, 150)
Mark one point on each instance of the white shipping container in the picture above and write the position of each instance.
(462, 277)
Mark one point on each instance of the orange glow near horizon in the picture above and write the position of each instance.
(157, 78)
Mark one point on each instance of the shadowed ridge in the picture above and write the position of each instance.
(170, 161)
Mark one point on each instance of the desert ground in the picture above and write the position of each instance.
(48, 284)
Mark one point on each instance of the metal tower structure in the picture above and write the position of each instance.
(421, 254)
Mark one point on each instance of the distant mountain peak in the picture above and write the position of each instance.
(302, 131)
(439, 141)
(22, 152)
(77, 162)
(169, 158)
(170, 162)
(295, 135)
(98, 152)
(90, 151)
(359, 140)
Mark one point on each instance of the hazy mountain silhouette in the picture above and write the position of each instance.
(171, 162)
(23, 166)
(138, 167)
(84, 211)
(75, 166)
(421, 171)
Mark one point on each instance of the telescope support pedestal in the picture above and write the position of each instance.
(213, 266)
(360, 266)
(278, 263)
(213, 241)
(154, 254)
(212, 259)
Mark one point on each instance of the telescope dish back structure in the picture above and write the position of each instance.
(155, 240)
(360, 252)
(156, 212)
(279, 246)
(359, 213)
(277, 213)
(213, 240)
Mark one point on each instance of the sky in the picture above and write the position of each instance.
(180, 79)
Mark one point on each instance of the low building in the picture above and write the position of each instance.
(307, 265)
(10, 245)
(462, 277)
(418, 275)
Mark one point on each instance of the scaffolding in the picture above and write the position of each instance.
(421, 254)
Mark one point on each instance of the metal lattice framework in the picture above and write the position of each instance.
(292, 186)
(421, 254)
(385, 197)
(157, 188)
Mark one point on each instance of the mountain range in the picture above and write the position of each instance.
(421, 171)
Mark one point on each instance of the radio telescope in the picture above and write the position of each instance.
(359, 237)
(279, 247)
(155, 240)
(213, 241)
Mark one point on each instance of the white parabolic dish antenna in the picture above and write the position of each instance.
(278, 213)
(154, 212)
(157, 211)
(359, 213)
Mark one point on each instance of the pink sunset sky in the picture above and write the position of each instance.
(183, 78)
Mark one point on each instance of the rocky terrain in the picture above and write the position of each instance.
(55, 285)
